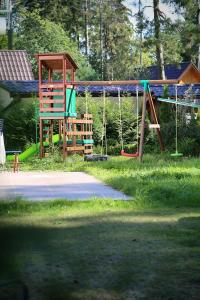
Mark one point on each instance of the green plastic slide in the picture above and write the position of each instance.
(32, 150)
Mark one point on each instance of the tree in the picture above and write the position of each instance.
(111, 40)
(38, 35)
(156, 35)
(159, 46)
(3, 42)
(189, 28)
(101, 30)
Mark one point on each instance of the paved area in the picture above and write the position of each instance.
(37, 186)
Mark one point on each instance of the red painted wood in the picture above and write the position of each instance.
(52, 109)
(123, 82)
(79, 132)
(50, 57)
(52, 93)
(80, 121)
(47, 101)
(52, 118)
(51, 85)
(123, 153)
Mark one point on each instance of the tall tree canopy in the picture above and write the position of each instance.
(101, 29)
(101, 37)
(189, 28)
(38, 35)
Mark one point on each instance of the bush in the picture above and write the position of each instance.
(189, 147)
(19, 124)
(188, 132)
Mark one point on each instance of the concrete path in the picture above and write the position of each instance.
(38, 186)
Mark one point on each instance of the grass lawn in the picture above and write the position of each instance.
(148, 248)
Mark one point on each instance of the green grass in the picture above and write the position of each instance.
(161, 181)
(156, 183)
(148, 248)
(86, 251)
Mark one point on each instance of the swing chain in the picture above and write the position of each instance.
(104, 131)
(120, 121)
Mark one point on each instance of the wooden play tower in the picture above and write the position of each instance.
(57, 107)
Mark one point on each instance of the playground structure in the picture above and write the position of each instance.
(58, 119)
(57, 106)
(147, 98)
(149, 104)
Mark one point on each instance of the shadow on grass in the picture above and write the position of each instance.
(109, 256)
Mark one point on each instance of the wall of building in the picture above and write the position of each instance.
(191, 76)
(5, 98)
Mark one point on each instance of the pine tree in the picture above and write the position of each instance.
(190, 28)
(159, 46)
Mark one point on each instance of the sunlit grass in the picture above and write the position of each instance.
(109, 250)
(160, 181)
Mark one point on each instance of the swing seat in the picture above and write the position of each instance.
(123, 153)
(154, 126)
(95, 157)
(177, 154)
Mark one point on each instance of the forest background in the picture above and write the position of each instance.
(106, 45)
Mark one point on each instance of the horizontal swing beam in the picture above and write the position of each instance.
(122, 82)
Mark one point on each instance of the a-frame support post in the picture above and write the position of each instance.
(65, 120)
(41, 139)
(147, 92)
(142, 127)
(51, 136)
(64, 138)
(60, 126)
(155, 120)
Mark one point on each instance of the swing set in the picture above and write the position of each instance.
(184, 101)
(153, 116)
(176, 153)
(123, 153)
(148, 104)
(57, 106)
(154, 124)
(147, 98)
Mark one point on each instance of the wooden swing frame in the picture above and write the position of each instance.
(146, 97)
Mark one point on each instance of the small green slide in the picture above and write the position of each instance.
(32, 150)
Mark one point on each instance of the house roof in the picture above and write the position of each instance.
(14, 65)
(31, 88)
(172, 71)
(27, 87)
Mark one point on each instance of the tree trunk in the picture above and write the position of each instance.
(159, 47)
(101, 38)
(199, 26)
(86, 29)
(141, 32)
